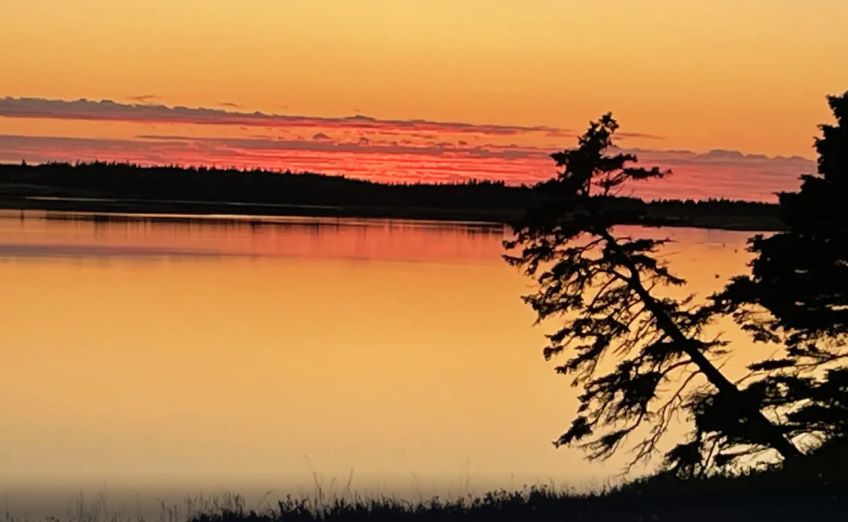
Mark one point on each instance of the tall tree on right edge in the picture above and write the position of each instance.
(797, 295)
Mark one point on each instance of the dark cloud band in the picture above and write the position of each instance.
(108, 110)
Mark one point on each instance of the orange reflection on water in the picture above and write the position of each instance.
(224, 354)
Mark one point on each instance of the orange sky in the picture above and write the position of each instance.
(746, 76)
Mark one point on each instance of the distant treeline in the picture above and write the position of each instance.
(201, 189)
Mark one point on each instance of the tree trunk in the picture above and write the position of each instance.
(768, 431)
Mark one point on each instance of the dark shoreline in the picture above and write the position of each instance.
(256, 212)
(134, 189)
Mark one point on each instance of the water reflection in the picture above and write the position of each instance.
(160, 356)
(35, 234)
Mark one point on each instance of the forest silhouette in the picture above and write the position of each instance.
(123, 187)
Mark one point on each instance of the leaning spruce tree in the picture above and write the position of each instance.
(638, 356)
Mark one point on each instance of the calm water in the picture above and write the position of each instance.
(154, 359)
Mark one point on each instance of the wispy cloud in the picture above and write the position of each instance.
(108, 110)
(639, 135)
(144, 98)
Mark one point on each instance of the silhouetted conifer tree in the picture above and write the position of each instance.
(638, 355)
(797, 295)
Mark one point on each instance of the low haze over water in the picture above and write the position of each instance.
(147, 358)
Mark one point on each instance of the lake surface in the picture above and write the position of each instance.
(148, 359)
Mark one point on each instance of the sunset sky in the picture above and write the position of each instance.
(726, 93)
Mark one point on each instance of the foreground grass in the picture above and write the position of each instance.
(815, 488)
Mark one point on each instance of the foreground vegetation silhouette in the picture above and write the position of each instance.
(815, 485)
